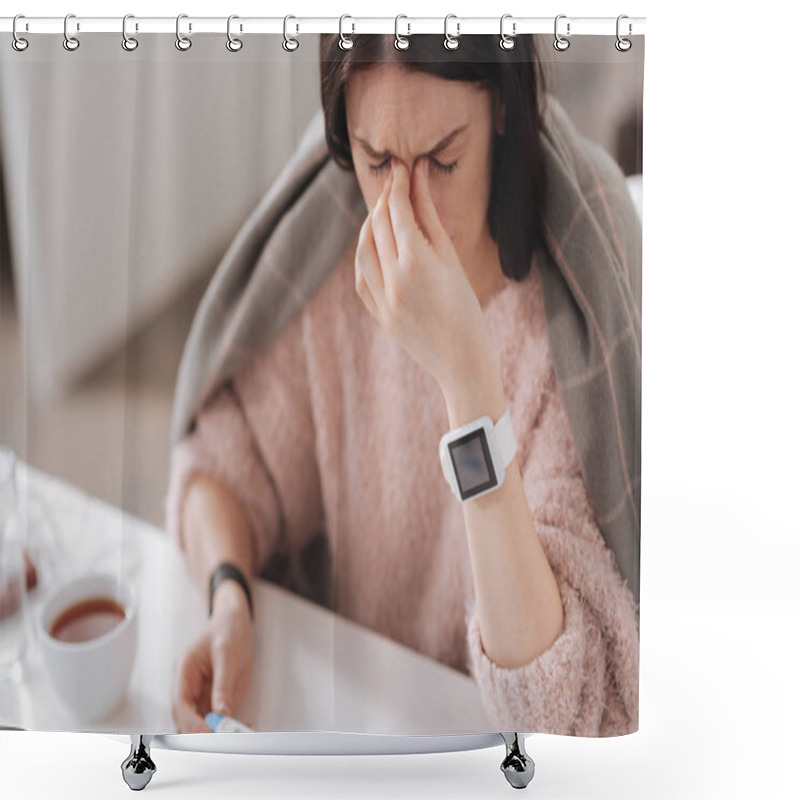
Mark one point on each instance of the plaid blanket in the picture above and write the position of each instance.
(590, 272)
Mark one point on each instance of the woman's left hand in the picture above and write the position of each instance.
(411, 280)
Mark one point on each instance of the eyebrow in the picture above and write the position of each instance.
(437, 148)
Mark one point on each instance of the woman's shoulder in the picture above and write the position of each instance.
(311, 325)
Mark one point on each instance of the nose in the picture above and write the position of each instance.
(408, 163)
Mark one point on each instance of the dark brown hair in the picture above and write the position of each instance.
(514, 76)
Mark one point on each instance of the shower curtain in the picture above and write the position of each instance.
(321, 382)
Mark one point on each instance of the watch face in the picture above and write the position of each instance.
(472, 464)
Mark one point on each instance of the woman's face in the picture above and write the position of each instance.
(393, 111)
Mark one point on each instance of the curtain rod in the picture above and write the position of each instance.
(298, 25)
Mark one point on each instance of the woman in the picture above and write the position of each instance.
(432, 318)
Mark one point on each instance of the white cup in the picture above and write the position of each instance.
(91, 677)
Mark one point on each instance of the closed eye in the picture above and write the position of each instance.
(445, 169)
(378, 168)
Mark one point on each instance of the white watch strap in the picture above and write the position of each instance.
(504, 438)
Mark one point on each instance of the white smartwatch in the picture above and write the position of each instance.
(475, 456)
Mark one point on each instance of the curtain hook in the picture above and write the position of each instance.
(345, 42)
(560, 43)
(290, 43)
(71, 43)
(182, 42)
(451, 42)
(129, 43)
(401, 42)
(507, 42)
(233, 44)
(623, 45)
(17, 42)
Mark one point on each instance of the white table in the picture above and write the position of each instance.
(313, 669)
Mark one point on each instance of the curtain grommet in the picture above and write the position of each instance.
(623, 45)
(345, 42)
(290, 43)
(233, 44)
(129, 43)
(401, 42)
(450, 41)
(17, 42)
(70, 43)
(507, 42)
(183, 43)
(561, 43)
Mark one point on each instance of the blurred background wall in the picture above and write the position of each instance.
(121, 187)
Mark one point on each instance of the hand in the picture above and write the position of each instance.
(410, 278)
(215, 671)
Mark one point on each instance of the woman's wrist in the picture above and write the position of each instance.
(229, 598)
(475, 393)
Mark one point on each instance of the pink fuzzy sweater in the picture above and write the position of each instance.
(335, 425)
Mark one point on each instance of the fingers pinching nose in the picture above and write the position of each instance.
(398, 167)
(383, 197)
(417, 176)
(427, 214)
(400, 176)
(421, 170)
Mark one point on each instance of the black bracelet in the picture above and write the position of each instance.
(222, 572)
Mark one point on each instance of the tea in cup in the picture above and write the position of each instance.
(87, 632)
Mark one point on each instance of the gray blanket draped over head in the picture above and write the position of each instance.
(590, 273)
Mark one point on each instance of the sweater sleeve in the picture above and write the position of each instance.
(256, 436)
(587, 682)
